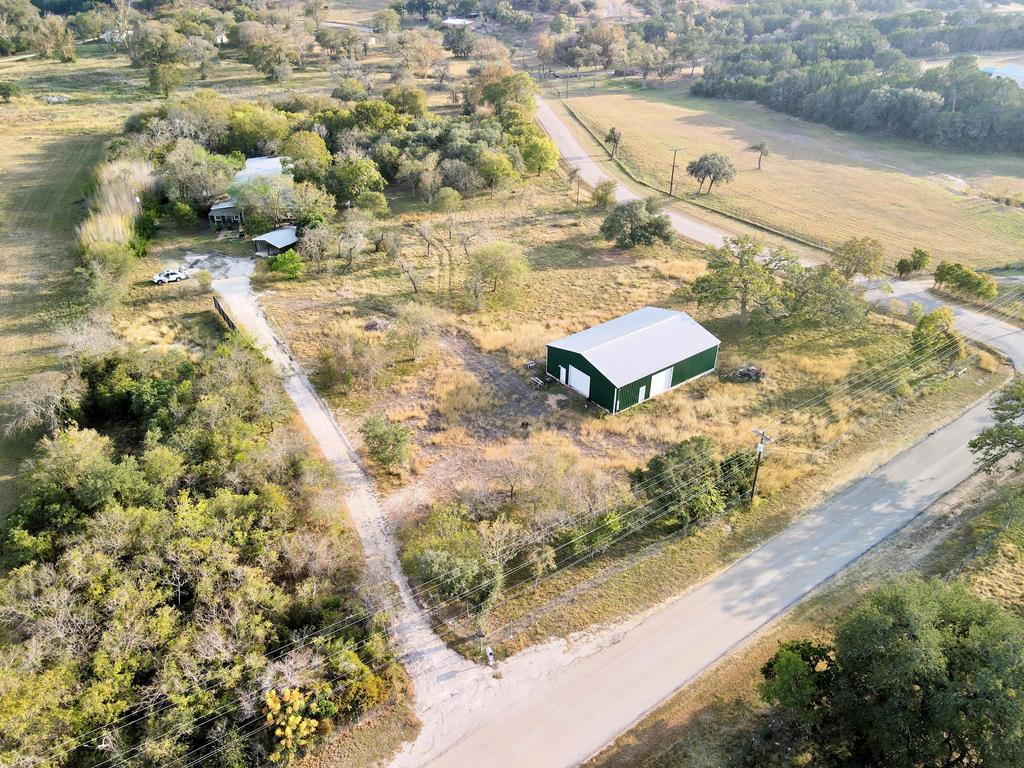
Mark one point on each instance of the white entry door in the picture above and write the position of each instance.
(562, 374)
(579, 381)
(661, 381)
(642, 395)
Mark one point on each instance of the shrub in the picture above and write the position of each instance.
(634, 223)
(387, 443)
(350, 89)
(603, 195)
(288, 263)
(373, 203)
(183, 214)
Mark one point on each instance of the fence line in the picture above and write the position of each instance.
(223, 314)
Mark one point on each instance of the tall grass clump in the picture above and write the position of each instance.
(117, 227)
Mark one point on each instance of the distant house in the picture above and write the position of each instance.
(275, 241)
(225, 213)
(632, 358)
(453, 22)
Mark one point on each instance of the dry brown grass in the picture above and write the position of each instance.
(460, 394)
(818, 183)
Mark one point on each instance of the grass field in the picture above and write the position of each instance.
(49, 153)
(577, 280)
(818, 184)
(354, 11)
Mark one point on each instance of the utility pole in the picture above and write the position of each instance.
(763, 438)
(672, 179)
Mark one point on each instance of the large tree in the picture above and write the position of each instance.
(744, 274)
(859, 256)
(192, 174)
(636, 223)
(711, 167)
(1006, 437)
(922, 675)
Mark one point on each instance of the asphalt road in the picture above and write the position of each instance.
(573, 714)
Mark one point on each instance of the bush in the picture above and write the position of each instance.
(603, 195)
(288, 263)
(350, 89)
(348, 359)
(373, 203)
(183, 214)
(387, 443)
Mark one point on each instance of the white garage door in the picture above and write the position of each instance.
(661, 381)
(579, 381)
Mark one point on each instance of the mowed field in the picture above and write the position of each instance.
(46, 165)
(819, 184)
(354, 11)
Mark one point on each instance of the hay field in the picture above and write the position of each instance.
(820, 184)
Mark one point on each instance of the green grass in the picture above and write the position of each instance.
(817, 184)
(49, 154)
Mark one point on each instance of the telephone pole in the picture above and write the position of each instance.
(763, 439)
(672, 178)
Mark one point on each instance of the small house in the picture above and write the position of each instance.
(275, 241)
(633, 358)
(453, 22)
(225, 214)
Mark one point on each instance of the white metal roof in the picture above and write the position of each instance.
(279, 238)
(453, 21)
(259, 166)
(638, 344)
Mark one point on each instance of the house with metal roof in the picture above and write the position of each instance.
(633, 358)
(225, 213)
(275, 241)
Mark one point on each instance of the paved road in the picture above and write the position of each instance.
(573, 714)
(592, 171)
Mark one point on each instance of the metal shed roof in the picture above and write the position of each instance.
(229, 203)
(259, 166)
(638, 344)
(279, 238)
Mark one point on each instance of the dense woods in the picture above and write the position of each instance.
(853, 66)
(177, 567)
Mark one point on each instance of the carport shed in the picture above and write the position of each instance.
(633, 358)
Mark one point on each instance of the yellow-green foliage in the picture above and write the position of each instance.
(293, 726)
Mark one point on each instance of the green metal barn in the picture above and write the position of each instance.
(632, 358)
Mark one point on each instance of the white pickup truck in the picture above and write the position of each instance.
(173, 275)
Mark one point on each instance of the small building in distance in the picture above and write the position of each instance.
(453, 22)
(632, 358)
(277, 240)
(225, 213)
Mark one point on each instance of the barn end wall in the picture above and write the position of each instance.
(602, 391)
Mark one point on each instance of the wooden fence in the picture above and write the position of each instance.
(223, 314)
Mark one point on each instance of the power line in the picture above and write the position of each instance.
(420, 589)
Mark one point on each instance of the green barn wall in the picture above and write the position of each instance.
(602, 391)
(684, 370)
